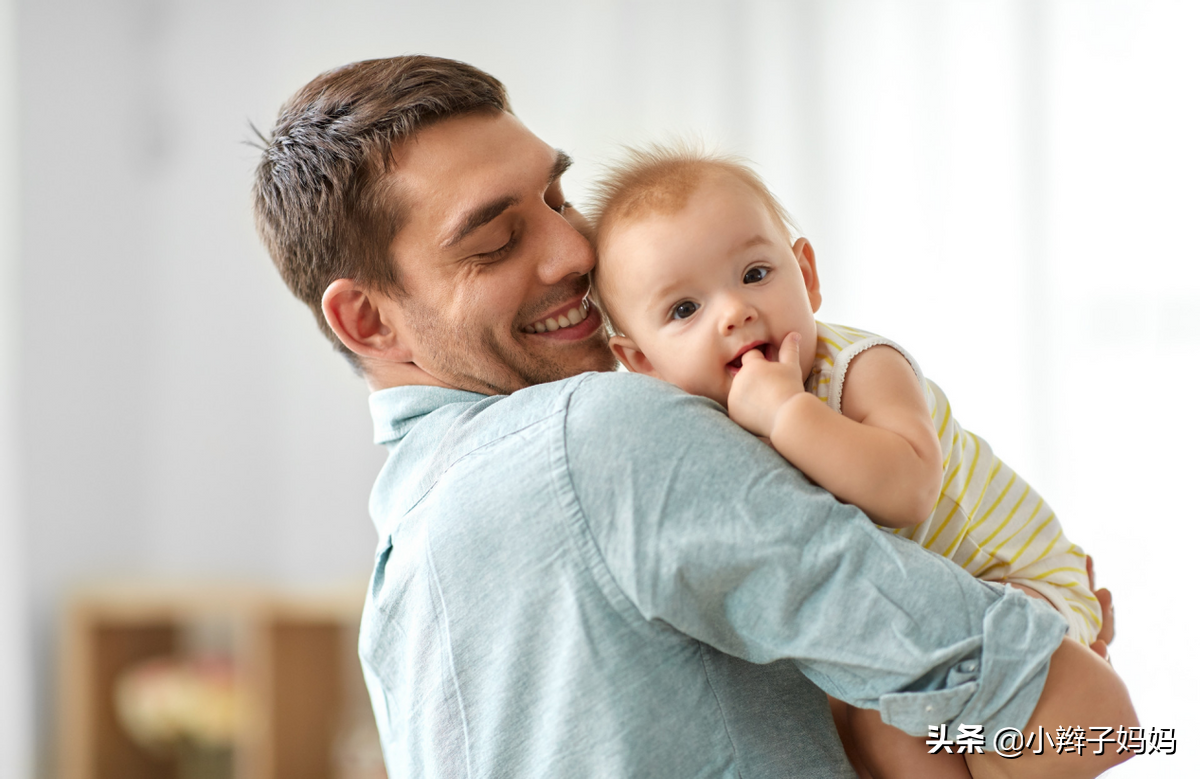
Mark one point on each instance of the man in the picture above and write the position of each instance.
(592, 574)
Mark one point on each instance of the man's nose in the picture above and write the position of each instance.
(565, 253)
(736, 312)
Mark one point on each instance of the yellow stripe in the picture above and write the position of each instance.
(966, 485)
(1000, 499)
(967, 526)
(948, 480)
(1049, 546)
(1032, 516)
(986, 573)
(847, 335)
(949, 516)
(1034, 535)
(1053, 571)
(1085, 597)
(984, 543)
(987, 482)
(942, 429)
(1086, 614)
(953, 449)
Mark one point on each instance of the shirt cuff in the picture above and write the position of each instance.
(997, 687)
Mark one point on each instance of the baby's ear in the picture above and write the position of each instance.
(808, 266)
(631, 356)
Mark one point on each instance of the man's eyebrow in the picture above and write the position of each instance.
(488, 211)
(479, 217)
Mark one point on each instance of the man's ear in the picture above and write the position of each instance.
(358, 319)
(808, 266)
(631, 356)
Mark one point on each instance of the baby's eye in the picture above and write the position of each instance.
(755, 275)
(683, 310)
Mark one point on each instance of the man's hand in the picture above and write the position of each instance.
(762, 387)
(1108, 627)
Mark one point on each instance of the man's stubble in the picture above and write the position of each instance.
(477, 360)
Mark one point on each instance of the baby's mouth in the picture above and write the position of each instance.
(736, 362)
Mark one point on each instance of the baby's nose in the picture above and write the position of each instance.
(738, 314)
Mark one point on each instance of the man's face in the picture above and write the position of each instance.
(494, 273)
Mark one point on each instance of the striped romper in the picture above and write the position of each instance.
(987, 519)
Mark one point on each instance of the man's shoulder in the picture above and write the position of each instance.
(596, 393)
(620, 386)
(625, 401)
(603, 404)
(643, 422)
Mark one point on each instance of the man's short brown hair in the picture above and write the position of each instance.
(323, 202)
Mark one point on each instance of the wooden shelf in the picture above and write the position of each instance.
(293, 657)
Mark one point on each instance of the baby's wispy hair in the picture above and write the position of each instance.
(659, 179)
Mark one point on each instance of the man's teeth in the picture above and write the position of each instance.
(550, 324)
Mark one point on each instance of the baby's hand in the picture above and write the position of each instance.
(761, 387)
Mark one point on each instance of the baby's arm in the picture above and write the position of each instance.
(881, 453)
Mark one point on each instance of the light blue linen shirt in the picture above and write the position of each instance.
(605, 577)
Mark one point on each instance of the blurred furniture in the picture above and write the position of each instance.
(293, 658)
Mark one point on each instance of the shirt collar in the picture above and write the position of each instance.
(396, 410)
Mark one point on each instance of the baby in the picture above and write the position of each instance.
(704, 288)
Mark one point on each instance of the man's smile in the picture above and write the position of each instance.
(575, 320)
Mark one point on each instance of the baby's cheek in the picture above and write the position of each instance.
(680, 374)
(692, 370)
(712, 385)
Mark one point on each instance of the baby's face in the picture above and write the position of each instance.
(697, 289)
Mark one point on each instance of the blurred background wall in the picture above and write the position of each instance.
(16, 726)
(1007, 188)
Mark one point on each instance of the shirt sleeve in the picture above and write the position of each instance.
(705, 528)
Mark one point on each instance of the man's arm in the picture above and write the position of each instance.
(706, 529)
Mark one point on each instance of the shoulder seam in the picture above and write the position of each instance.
(631, 607)
(434, 478)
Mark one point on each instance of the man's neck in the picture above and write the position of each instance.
(385, 375)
